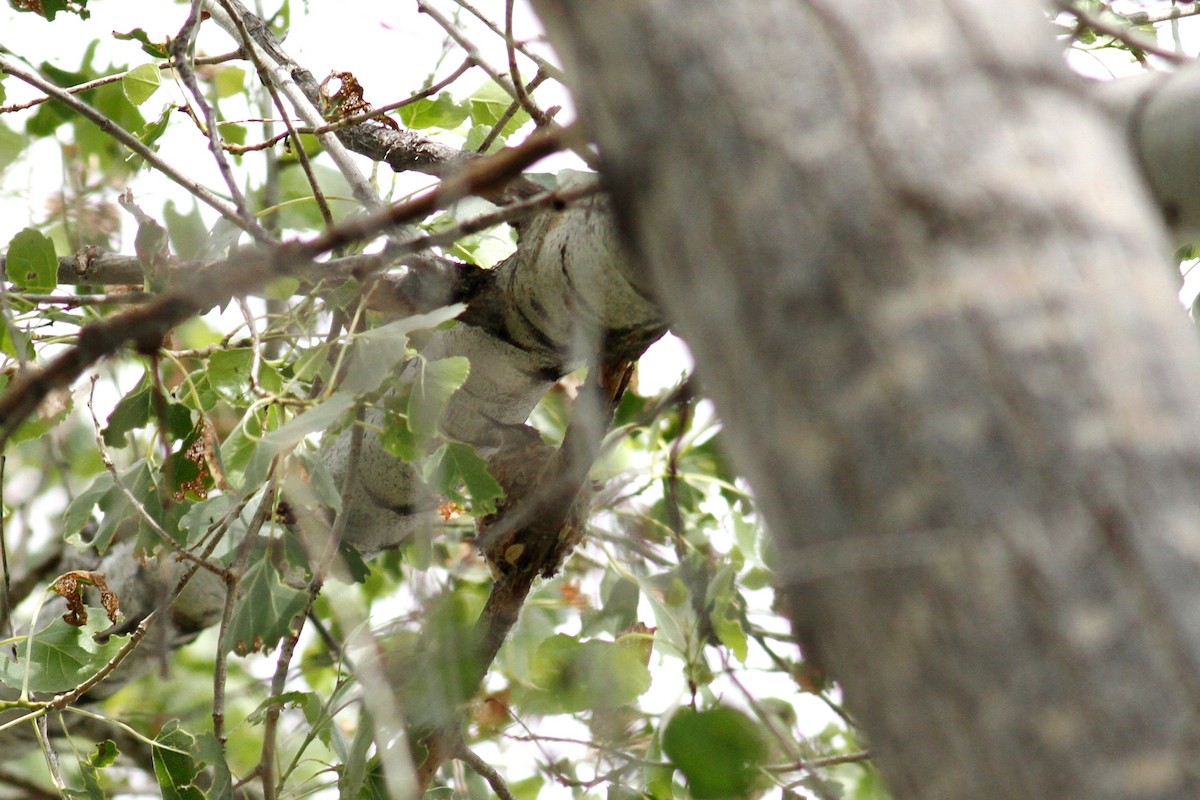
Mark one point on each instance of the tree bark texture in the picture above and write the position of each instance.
(927, 290)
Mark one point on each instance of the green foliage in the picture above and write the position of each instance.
(174, 766)
(455, 465)
(61, 655)
(570, 676)
(441, 112)
(31, 262)
(140, 83)
(719, 751)
(212, 443)
(265, 610)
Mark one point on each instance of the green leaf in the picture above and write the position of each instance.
(264, 611)
(175, 768)
(119, 511)
(131, 412)
(379, 351)
(31, 262)
(37, 425)
(63, 656)
(229, 375)
(229, 81)
(212, 753)
(442, 113)
(151, 132)
(50, 8)
(719, 751)
(11, 142)
(79, 510)
(436, 381)
(104, 755)
(156, 49)
(489, 103)
(187, 232)
(15, 342)
(316, 419)
(140, 83)
(455, 464)
(726, 605)
(573, 676)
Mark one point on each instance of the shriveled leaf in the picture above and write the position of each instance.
(140, 83)
(31, 262)
(264, 611)
(62, 656)
(719, 751)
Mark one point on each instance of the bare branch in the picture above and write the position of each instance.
(132, 142)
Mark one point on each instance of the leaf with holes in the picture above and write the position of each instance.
(31, 262)
(174, 766)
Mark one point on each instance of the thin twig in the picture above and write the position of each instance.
(284, 75)
(265, 77)
(1176, 11)
(487, 772)
(61, 701)
(1131, 38)
(244, 272)
(266, 762)
(355, 119)
(544, 65)
(83, 87)
(78, 300)
(11, 631)
(510, 44)
(511, 112)
(182, 51)
(106, 125)
(467, 46)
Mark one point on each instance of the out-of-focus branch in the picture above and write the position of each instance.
(145, 326)
(129, 140)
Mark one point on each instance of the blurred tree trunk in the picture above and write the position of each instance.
(931, 299)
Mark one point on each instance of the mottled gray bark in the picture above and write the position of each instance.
(928, 293)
